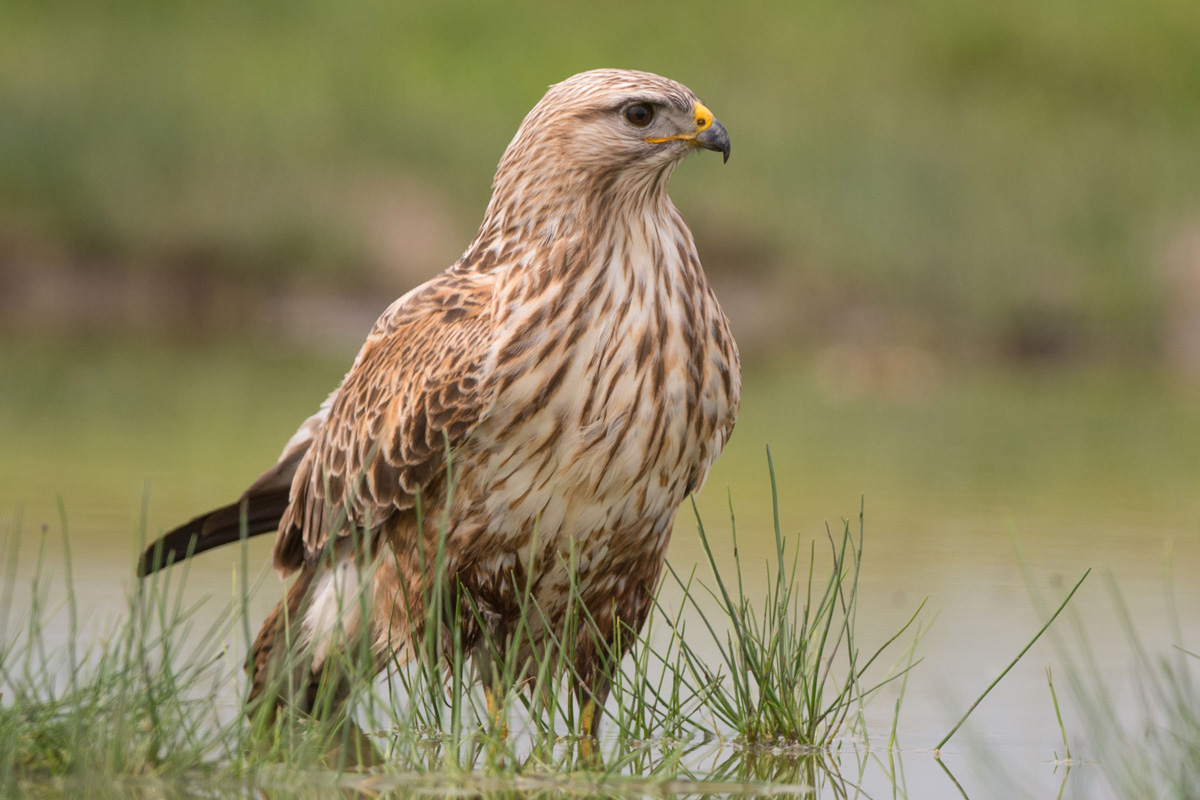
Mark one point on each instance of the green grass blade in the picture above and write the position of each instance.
(1013, 663)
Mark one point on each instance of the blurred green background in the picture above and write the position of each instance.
(982, 181)
(959, 242)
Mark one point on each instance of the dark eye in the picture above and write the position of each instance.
(639, 114)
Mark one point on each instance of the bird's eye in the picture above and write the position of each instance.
(639, 115)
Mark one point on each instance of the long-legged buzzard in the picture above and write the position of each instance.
(572, 372)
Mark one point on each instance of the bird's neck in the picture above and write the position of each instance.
(529, 217)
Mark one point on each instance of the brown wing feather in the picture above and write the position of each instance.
(418, 382)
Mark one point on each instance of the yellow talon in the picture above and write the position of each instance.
(587, 750)
(495, 711)
(585, 718)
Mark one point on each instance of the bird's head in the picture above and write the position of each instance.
(610, 121)
(622, 116)
(598, 141)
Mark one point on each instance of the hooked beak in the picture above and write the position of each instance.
(709, 134)
(715, 137)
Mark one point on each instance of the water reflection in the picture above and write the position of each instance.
(815, 776)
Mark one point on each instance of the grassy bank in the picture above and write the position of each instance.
(151, 705)
(151, 699)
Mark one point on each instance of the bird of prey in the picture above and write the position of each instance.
(545, 405)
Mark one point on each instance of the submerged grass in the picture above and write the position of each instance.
(1155, 752)
(154, 697)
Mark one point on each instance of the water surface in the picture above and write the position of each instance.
(957, 471)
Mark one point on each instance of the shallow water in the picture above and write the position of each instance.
(958, 471)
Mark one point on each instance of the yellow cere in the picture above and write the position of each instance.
(704, 120)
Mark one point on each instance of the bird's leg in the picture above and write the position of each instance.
(596, 652)
(495, 711)
(587, 750)
(488, 659)
(589, 726)
(591, 695)
(589, 720)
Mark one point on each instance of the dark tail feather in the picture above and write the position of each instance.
(262, 505)
(221, 526)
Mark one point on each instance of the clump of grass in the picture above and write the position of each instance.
(134, 703)
(138, 702)
(780, 685)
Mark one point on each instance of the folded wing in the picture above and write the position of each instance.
(417, 389)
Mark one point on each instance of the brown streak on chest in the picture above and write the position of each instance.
(622, 432)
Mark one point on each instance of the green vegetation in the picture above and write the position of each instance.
(1155, 752)
(152, 705)
(1013, 663)
(780, 691)
(151, 697)
(150, 700)
(131, 702)
(1002, 178)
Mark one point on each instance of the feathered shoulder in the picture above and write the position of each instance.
(419, 384)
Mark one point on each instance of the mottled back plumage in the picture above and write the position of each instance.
(573, 371)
